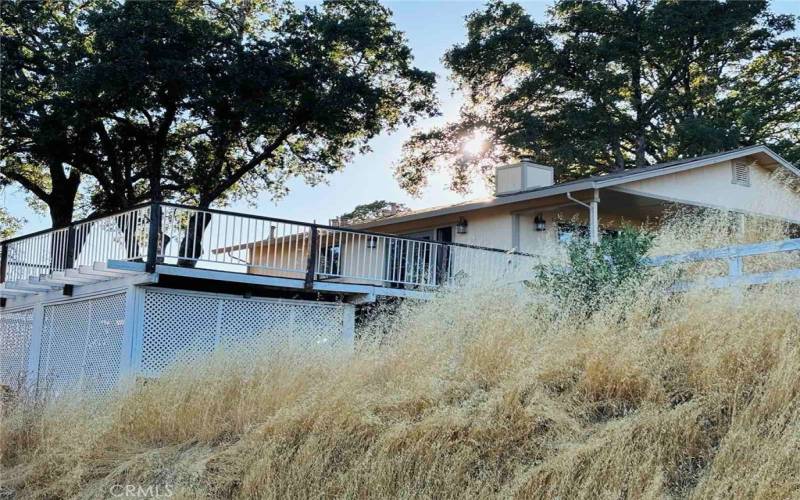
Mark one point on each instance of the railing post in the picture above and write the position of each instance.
(152, 237)
(735, 267)
(3, 265)
(3, 262)
(311, 269)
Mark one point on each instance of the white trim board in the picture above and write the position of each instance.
(80, 291)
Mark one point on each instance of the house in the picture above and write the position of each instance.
(530, 211)
(530, 214)
(127, 294)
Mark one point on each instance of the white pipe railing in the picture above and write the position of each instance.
(121, 236)
(380, 258)
(214, 239)
(225, 241)
(38, 254)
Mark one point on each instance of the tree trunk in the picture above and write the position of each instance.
(130, 227)
(191, 247)
(638, 103)
(61, 204)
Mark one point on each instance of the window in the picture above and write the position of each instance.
(741, 174)
(568, 231)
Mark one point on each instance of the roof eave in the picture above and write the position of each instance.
(496, 202)
(596, 183)
(600, 183)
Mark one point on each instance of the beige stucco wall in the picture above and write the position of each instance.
(711, 186)
(546, 242)
(488, 228)
(280, 260)
(493, 227)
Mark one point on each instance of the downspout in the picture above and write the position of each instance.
(594, 222)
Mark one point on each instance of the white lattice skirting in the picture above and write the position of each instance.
(90, 343)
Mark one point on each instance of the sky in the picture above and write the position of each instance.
(431, 27)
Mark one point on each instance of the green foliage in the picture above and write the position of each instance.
(375, 210)
(607, 85)
(8, 224)
(200, 102)
(596, 273)
(40, 130)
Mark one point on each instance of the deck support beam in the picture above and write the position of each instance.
(362, 298)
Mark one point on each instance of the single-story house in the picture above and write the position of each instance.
(529, 210)
(530, 214)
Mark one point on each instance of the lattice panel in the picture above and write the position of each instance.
(15, 339)
(104, 344)
(276, 326)
(181, 326)
(82, 345)
(176, 326)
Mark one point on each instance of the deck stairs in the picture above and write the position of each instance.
(82, 275)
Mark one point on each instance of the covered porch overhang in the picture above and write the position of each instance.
(610, 208)
(601, 206)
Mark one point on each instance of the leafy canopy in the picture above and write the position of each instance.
(372, 211)
(606, 85)
(199, 101)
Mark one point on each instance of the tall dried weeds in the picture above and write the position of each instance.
(480, 393)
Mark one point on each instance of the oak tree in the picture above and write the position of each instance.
(607, 85)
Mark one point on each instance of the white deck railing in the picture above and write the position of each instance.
(163, 233)
(185, 236)
(263, 245)
(121, 236)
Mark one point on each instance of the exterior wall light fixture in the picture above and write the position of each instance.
(461, 226)
(539, 223)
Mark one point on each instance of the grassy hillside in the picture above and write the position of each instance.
(479, 394)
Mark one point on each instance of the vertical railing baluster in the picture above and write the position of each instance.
(282, 238)
(3, 269)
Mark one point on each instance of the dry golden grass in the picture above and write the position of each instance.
(477, 394)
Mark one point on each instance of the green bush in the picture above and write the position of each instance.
(596, 273)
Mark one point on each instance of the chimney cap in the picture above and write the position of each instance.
(526, 158)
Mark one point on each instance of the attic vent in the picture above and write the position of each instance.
(741, 174)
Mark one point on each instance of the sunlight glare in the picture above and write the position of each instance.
(476, 143)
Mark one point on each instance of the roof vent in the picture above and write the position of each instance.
(741, 173)
(522, 176)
